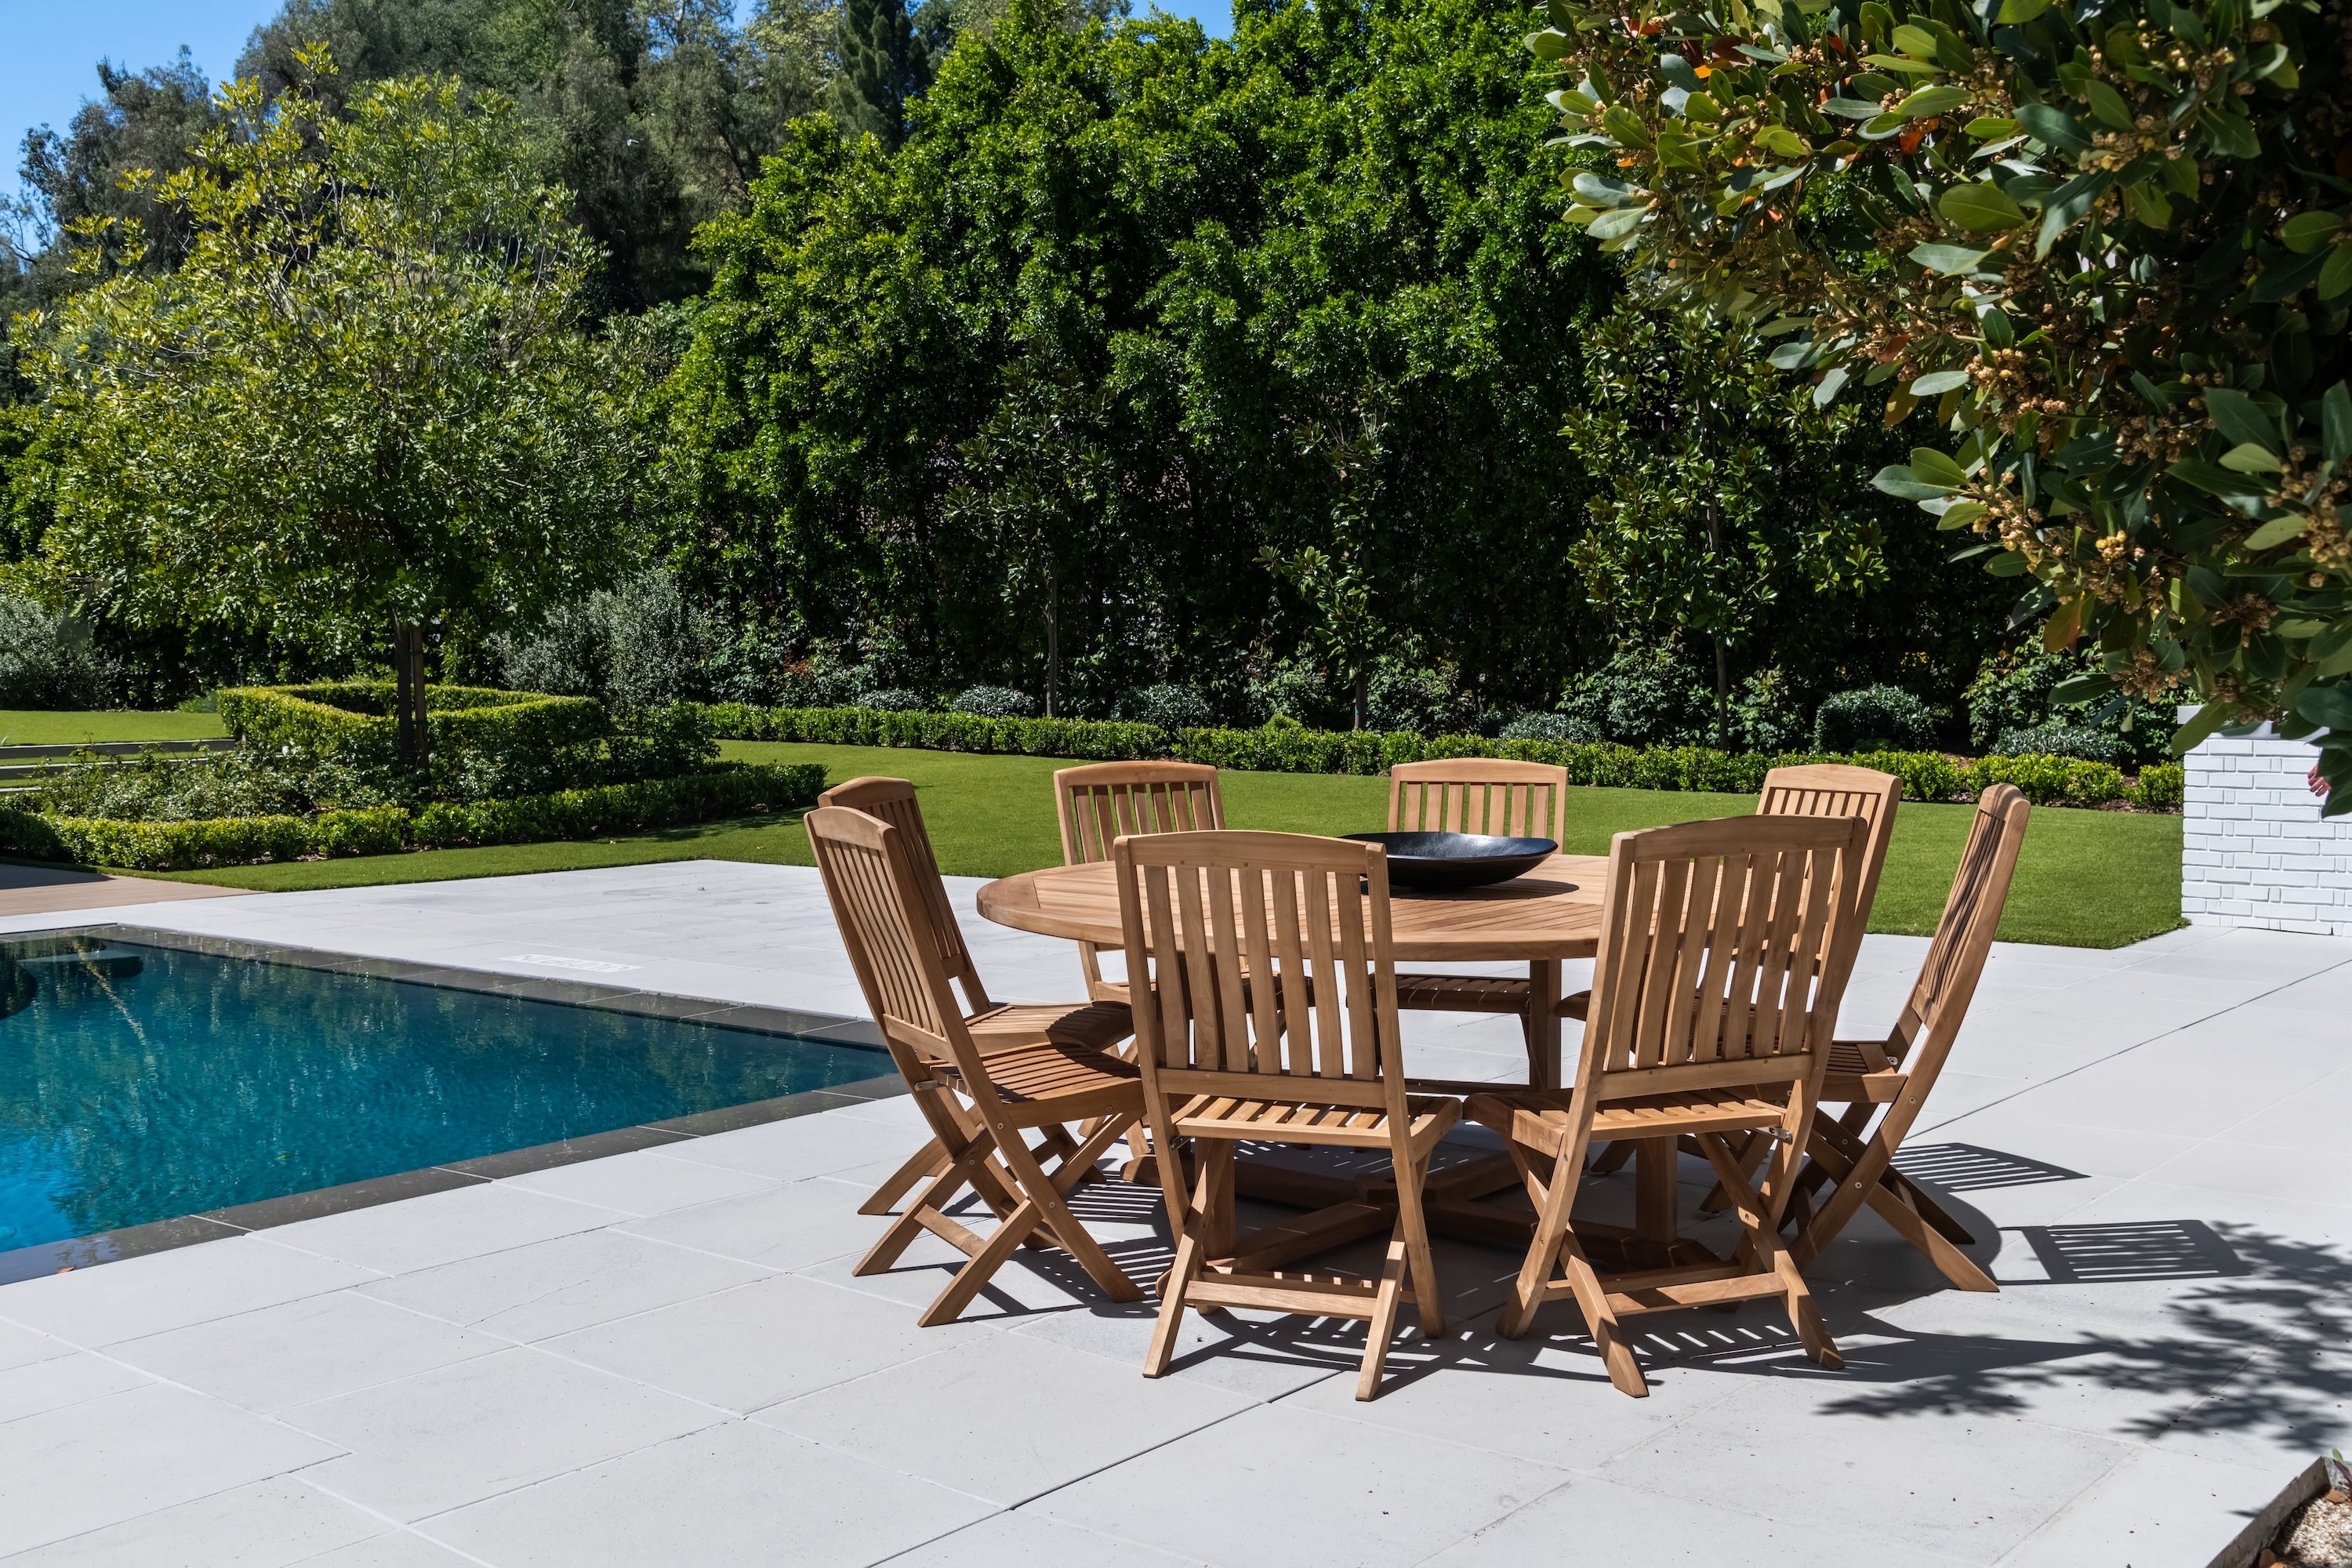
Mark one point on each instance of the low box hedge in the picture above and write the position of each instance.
(483, 741)
(1284, 748)
(213, 842)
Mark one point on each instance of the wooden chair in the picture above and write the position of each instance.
(899, 955)
(1100, 804)
(1711, 1015)
(994, 1025)
(1814, 789)
(1272, 1017)
(1478, 794)
(1891, 1079)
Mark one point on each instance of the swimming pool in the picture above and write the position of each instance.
(141, 1082)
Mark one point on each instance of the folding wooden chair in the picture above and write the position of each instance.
(994, 1025)
(1272, 1017)
(1100, 804)
(1814, 789)
(1711, 1015)
(899, 957)
(1892, 1079)
(1490, 795)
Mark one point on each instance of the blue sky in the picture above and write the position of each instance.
(46, 64)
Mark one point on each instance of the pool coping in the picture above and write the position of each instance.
(244, 1219)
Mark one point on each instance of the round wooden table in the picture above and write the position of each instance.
(1550, 915)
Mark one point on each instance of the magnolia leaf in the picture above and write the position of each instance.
(2240, 418)
(2234, 134)
(1626, 126)
(1946, 259)
(1832, 381)
(1677, 70)
(1916, 41)
(2336, 423)
(1898, 63)
(1885, 125)
(1980, 208)
(2087, 686)
(1898, 480)
(2108, 105)
(1781, 142)
(2017, 13)
(1934, 381)
(1551, 44)
(1932, 101)
(1935, 467)
(2274, 532)
(2336, 275)
(1701, 106)
(1852, 108)
(2306, 232)
(2330, 705)
(2067, 204)
(1621, 221)
(2249, 458)
(1992, 128)
(2149, 204)
(1601, 191)
(2214, 480)
(2053, 127)
(1959, 514)
(2008, 564)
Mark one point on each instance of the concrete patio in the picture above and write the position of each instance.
(661, 1357)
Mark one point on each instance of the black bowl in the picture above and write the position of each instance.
(1442, 862)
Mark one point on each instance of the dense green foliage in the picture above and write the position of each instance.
(2106, 243)
(172, 844)
(362, 396)
(1288, 747)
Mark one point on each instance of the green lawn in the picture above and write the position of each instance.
(2088, 879)
(20, 727)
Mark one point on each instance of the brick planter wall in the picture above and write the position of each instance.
(2254, 851)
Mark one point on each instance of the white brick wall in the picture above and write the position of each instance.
(2254, 851)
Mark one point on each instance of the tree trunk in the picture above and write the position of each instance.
(408, 693)
(1053, 643)
(1722, 693)
(1360, 678)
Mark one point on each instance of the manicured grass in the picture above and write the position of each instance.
(20, 727)
(2087, 879)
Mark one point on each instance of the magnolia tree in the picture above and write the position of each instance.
(364, 394)
(2101, 246)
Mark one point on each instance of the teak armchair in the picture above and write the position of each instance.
(1891, 1079)
(1507, 799)
(1711, 1015)
(992, 1025)
(1102, 802)
(1271, 1016)
(899, 957)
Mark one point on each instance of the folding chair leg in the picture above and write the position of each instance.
(1593, 1300)
(1382, 1327)
(966, 1166)
(1754, 1211)
(950, 1303)
(1044, 1195)
(1535, 1270)
(1413, 1221)
(1173, 1288)
(924, 1164)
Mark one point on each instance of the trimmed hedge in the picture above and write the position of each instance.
(481, 737)
(383, 830)
(1284, 748)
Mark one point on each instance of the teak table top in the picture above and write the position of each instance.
(1553, 912)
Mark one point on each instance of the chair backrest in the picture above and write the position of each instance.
(886, 924)
(1479, 795)
(1272, 972)
(893, 801)
(1834, 789)
(1706, 975)
(1104, 801)
(1940, 998)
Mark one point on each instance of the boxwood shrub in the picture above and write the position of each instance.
(484, 741)
(382, 830)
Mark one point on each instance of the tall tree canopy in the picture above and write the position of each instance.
(1116, 319)
(364, 394)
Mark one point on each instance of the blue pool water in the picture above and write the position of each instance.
(139, 1083)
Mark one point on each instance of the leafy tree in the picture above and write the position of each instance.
(362, 397)
(884, 67)
(2106, 244)
(1718, 488)
(1101, 314)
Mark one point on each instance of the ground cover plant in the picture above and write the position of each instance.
(2086, 880)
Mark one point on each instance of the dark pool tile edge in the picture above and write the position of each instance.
(318, 1201)
(567, 1152)
(110, 1246)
